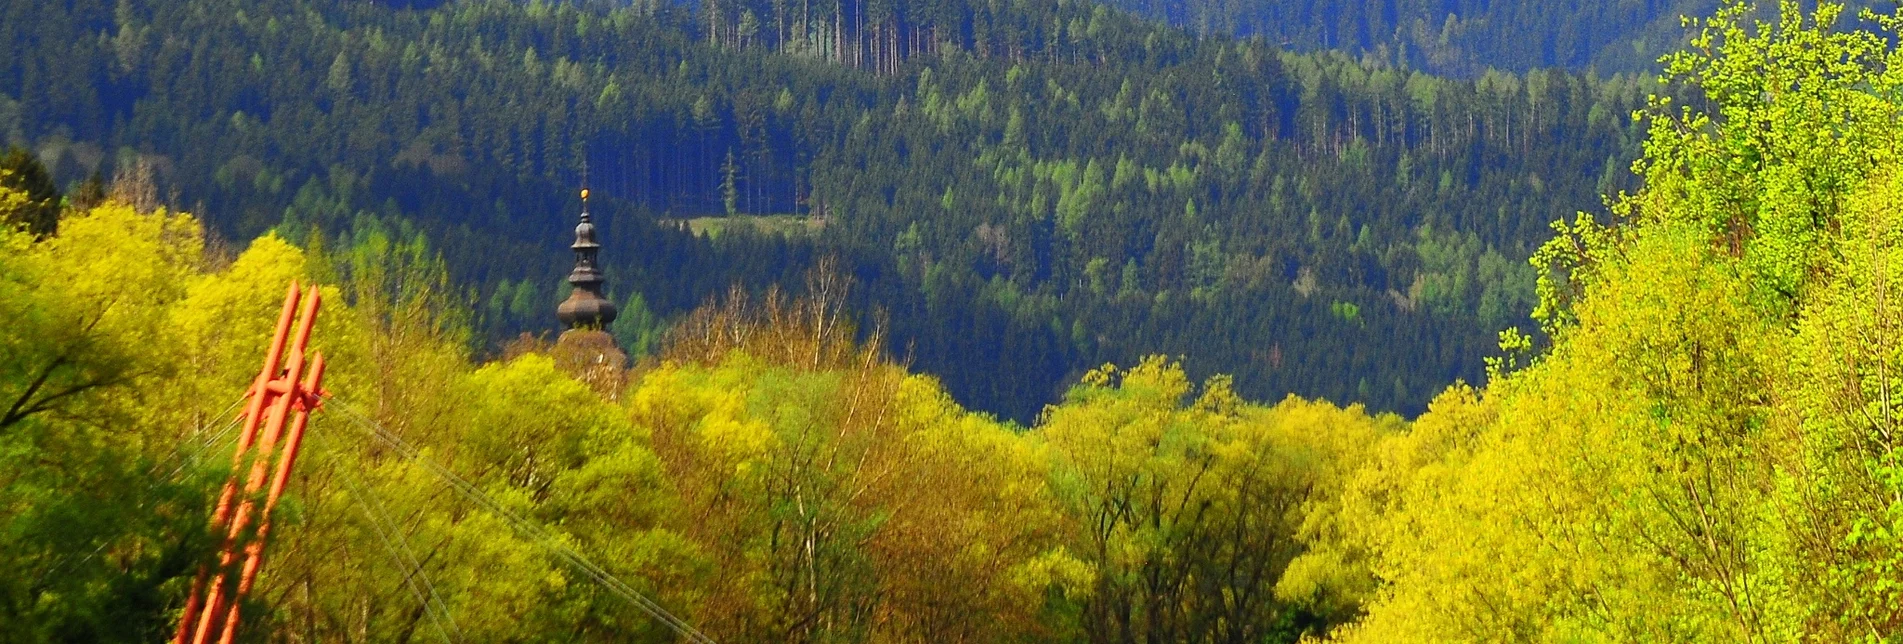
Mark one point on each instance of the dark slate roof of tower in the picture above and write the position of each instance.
(585, 307)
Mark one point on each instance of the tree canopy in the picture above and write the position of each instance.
(1699, 442)
(1026, 190)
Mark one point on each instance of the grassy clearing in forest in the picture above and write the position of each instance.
(785, 225)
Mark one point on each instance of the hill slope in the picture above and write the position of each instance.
(1452, 37)
(1026, 192)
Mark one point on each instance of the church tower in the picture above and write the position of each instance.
(585, 349)
(586, 308)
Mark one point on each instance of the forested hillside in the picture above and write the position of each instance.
(1708, 447)
(771, 480)
(1023, 191)
(1459, 37)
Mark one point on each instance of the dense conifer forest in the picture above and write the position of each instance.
(1024, 191)
(1463, 37)
(859, 254)
(1460, 37)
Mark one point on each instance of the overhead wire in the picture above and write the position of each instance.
(192, 456)
(398, 548)
(186, 454)
(528, 528)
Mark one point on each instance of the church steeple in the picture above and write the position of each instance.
(586, 308)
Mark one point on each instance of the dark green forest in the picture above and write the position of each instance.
(949, 323)
(1023, 191)
(1460, 37)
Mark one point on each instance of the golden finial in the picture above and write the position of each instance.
(584, 194)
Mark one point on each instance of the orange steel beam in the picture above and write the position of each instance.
(254, 551)
(280, 390)
(274, 395)
(253, 413)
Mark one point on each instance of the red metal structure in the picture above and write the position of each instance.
(286, 388)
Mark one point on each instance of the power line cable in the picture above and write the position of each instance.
(184, 453)
(191, 455)
(398, 547)
(535, 532)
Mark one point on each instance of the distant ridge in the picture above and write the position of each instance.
(1454, 37)
(1026, 190)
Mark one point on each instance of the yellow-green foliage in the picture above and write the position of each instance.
(768, 479)
(1191, 510)
(1708, 452)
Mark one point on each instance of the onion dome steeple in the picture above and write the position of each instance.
(585, 307)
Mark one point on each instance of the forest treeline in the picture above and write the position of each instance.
(1026, 190)
(1462, 38)
(1707, 451)
(769, 477)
